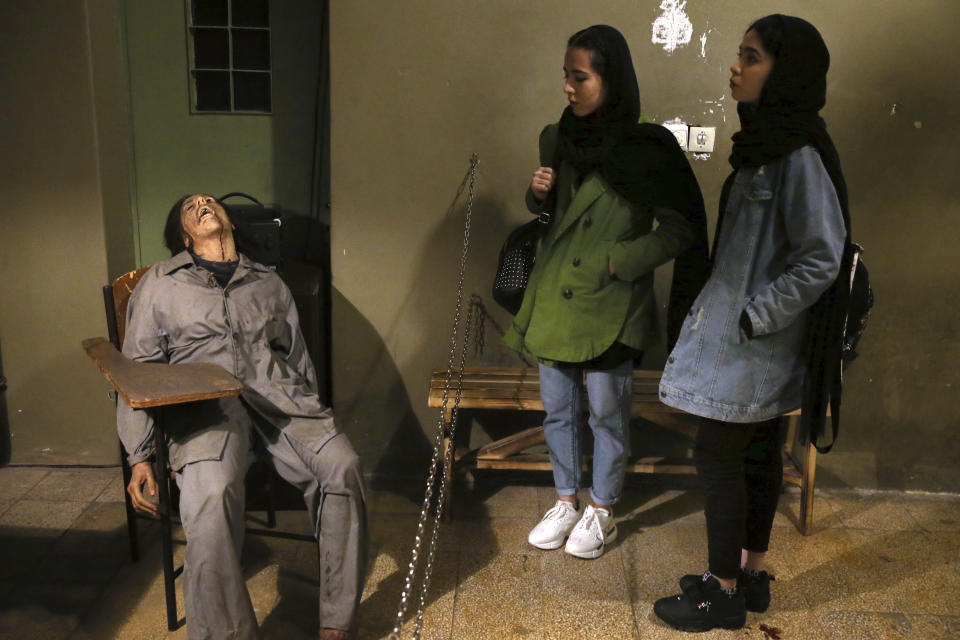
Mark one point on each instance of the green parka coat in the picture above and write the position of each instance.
(574, 309)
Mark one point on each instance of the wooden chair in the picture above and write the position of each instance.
(153, 386)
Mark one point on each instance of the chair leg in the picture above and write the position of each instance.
(272, 497)
(808, 476)
(161, 475)
(132, 534)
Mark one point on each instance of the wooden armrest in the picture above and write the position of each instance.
(144, 384)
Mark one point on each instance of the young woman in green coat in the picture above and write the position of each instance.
(589, 311)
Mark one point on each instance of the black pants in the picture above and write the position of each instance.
(741, 472)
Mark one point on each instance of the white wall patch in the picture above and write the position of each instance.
(712, 106)
(672, 28)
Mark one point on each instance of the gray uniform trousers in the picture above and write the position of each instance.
(212, 511)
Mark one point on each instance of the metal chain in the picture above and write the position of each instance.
(432, 474)
(478, 313)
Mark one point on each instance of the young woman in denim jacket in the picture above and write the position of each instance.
(740, 361)
(588, 310)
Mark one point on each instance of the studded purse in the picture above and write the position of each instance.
(517, 257)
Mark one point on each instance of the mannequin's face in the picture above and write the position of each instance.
(203, 217)
(750, 71)
(583, 86)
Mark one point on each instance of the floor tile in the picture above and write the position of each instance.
(16, 481)
(40, 517)
(74, 485)
(488, 501)
(935, 515)
(860, 625)
(873, 513)
(45, 612)
(589, 596)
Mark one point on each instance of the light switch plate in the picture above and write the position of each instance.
(701, 139)
(680, 131)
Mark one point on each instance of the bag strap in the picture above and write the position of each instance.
(240, 194)
(548, 150)
(851, 260)
(549, 157)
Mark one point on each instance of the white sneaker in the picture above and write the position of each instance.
(595, 529)
(553, 528)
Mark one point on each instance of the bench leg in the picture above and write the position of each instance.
(807, 479)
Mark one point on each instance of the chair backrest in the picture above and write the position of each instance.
(116, 296)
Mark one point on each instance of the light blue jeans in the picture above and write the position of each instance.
(608, 394)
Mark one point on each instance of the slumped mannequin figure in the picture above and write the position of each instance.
(211, 303)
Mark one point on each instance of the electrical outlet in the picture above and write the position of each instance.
(679, 130)
(701, 139)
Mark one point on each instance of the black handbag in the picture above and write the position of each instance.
(517, 256)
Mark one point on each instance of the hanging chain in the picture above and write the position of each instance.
(477, 314)
(481, 316)
(436, 463)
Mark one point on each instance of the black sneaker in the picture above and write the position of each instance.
(703, 608)
(756, 589)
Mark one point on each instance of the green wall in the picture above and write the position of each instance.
(176, 152)
(417, 89)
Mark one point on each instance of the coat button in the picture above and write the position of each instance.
(576, 262)
(670, 359)
(663, 394)
(567, 294)
(587, 223)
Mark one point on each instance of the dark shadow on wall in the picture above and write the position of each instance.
(377, 416)
(431, 304)
(5, 445)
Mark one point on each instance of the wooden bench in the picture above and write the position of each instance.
(518, 389)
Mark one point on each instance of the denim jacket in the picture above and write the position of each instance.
(778, 251)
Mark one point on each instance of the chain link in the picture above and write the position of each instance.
(436, 465)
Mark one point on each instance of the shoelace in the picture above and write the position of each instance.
(592, 522)
(555, 512)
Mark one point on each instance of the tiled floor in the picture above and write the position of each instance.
(872, 568)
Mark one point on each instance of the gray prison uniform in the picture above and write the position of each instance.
(178, 313)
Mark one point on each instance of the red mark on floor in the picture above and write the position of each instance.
(770, 633)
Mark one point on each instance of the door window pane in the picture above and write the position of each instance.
(251, 49)
(251, 13)
(212, 90)
(251, 91)
(210, 12)
(211, 49)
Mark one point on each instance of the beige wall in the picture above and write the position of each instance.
(52, 243)
(417, 87)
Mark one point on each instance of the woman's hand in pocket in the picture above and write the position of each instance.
(542, 182)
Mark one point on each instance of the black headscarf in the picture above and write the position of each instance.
(641, 162)
(787, 118)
